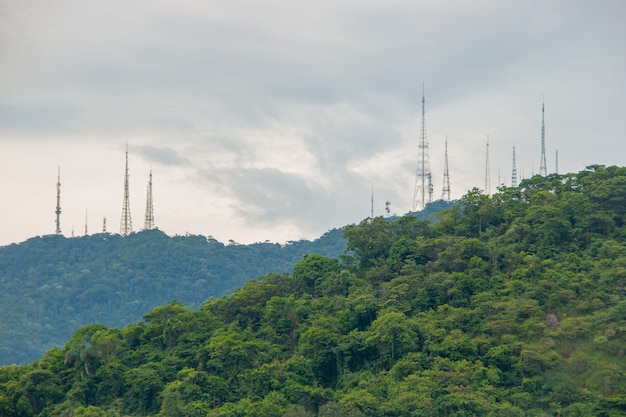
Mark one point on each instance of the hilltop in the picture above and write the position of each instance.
(52, 285)
(509, 305)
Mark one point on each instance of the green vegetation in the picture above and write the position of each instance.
(52, 285)
(511, 305)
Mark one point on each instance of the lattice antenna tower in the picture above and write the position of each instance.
(514, 171)
(487, 171)
(58, 208)
(445, 194)
(372, 205)
(86, 217)
(543, 170)
(423, 177)
(149, 221)
(556, 166)
(126, 224)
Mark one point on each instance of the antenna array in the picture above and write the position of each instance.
(543, 170)
(445, 194)
(149, 221)
(423, 177)
(126, 224)
(514, 171)
(487, 171)
(58, 208)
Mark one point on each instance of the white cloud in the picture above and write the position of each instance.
(273, 120)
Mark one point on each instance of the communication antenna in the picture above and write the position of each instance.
(86, 217)
(423, 177)
(149, 221)
(543, 170)
(104, 225)
(372, 206)
(514, 171)
(556, 166)
(445, 195)
(487, 171)
(126, 224)
(58, 208)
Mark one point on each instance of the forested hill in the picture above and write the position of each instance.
(510, 305)
(51, 286)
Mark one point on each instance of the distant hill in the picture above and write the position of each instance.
(52, 285)
(508, 305)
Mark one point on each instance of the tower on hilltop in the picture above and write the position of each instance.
(445, 194)
(149, 221)
(58, 208)
(543, 169)
(487, 171)
(423, 191)
(514, 171)
(126, 224)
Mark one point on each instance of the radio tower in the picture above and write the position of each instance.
(126, 225)
(58, 209)
(556, 166)
(445, 195)
(423, 178)
(372, 205)
(487, 171)
(543, 170)
(514, 171)
(149, 221)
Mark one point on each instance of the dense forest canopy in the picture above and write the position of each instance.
(509, 305)
(52, 285)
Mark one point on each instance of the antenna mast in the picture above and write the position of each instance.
(149, 221)
(86, 217)
(543, 170)
(423, 178)
(126, 225)
(445, 195)
(372, 206)
(487, 171)
(514, 171)
(58, 208)
(556, 167)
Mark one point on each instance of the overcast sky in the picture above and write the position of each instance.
(274, 119)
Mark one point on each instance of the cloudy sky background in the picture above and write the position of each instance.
(273, 120)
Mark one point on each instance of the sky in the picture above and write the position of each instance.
(279, 119)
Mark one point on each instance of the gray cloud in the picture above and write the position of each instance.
(161, 155)
(281, 117)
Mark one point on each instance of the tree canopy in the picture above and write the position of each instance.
(509, 305)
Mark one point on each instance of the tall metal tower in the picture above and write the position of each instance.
(372, 205)
(556, 166)
(514, 171)
(149, 221)
(126, 224)
(58, 208)
(487, 171)
(423, 177)
(543, 170)
(86, 217)
(445, 195)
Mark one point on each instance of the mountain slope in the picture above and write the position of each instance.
(52, 285)
(510, 305)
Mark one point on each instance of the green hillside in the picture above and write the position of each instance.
(510, 305)
(52, 285)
